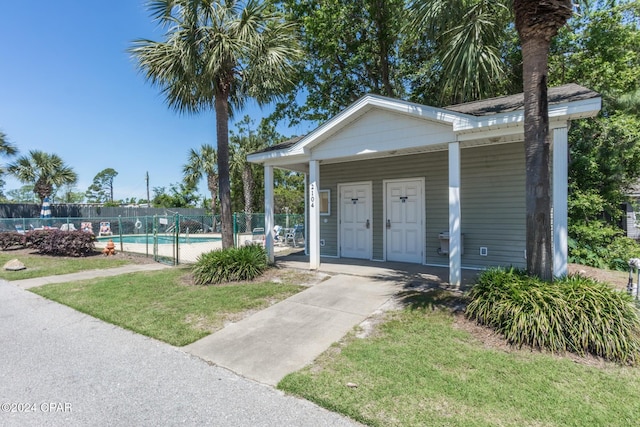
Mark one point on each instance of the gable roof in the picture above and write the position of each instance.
(501, 114)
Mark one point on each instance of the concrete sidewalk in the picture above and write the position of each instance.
(292, 333)
(88, 274)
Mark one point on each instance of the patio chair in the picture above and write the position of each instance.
(87, 227)
(19, 228)
(105, 229)
(257, 237)
(295, 234)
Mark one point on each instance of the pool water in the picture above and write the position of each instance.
(144, 239)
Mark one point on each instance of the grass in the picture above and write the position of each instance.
(41, 265)
(418, 369)
(160, 305)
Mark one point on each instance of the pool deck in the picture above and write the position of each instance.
(188, 252)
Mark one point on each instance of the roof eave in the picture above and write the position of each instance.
(562, 111)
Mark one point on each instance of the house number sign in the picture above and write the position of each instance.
(312, 195)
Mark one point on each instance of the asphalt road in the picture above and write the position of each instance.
(59, 367)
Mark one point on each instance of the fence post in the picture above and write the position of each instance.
(155, 237)
(176, 230)
(120, 233)
(235, 230)
(146, 232)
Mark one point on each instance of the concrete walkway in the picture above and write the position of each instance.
(292, 333)
(64, 368)
(87, 274)
(263, 347)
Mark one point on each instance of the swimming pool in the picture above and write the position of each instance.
(162, 239)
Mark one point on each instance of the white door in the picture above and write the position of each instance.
(404, 232)
(355, 221)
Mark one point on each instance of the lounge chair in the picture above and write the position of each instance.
(67, 227)
(19, 228)
(87, 227)
(105, 229)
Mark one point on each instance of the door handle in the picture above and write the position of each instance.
(367, 224)
(388, 223)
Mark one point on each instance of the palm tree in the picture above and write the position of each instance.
(538, 23)
(467, 35)
(216, 54)
(44, 171)
(241, 145)
(6, 148)
(470, 55)
(203, 162)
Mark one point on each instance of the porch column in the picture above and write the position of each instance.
(560, 210)
(455, 249)
(268, 213)
(314, 215)
(306, 213)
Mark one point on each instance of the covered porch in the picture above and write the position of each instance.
(386, 179)
(413, 276)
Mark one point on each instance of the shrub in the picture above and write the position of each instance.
(599, 245)
(575, 314)
(232, 264)
(11, 239)
(61, 243)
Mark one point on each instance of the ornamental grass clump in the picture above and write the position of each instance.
(228, 265)
(575, 314)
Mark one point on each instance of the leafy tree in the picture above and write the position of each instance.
(601, 49)
(605, 160)
(24, 194)
(203, 162)
(351, 50)
(178, 195)
(45, 171)
(216, 54)
(101, 190)
(69, 195)
(289, 192)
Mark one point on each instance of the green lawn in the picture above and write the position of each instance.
(418, 369)
(41, 265)
(161, 305)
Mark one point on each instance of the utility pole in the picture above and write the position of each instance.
(148, 200)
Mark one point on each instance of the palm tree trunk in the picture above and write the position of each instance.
(212, 184)
(222, 134)
(537, 23)
(381, 17)
(537, 157)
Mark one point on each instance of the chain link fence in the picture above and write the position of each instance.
(171, 239)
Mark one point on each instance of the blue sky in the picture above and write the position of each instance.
(68, 86)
